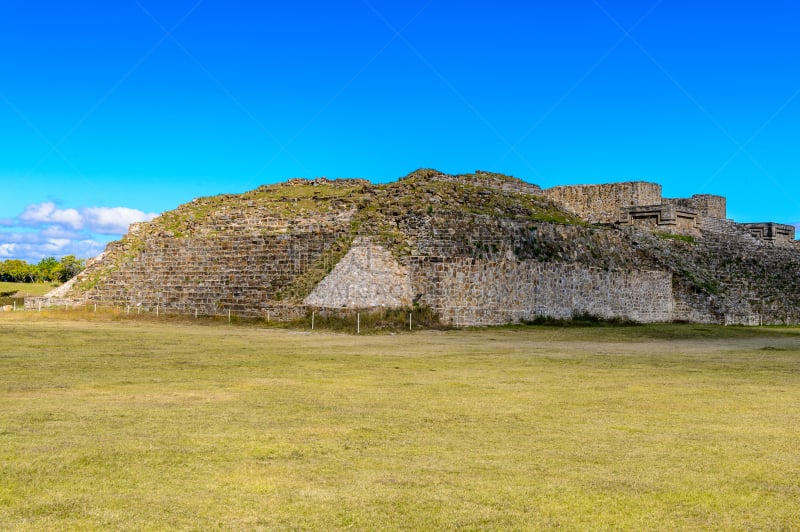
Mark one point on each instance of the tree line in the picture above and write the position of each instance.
(49, 269)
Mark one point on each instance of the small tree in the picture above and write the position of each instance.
(70, 267)
(48, 269)
(17, 271)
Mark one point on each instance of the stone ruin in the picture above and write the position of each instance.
(640, 204)
(477, 249)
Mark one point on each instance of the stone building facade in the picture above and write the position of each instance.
(640, 204)
(604, 203)
(771, 232)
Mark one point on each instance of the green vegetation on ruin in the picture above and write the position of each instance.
(417, 194)
(283, 201)
(689, 239)
(91, 280)
(128, 248)
(148, 426)
(421, 193)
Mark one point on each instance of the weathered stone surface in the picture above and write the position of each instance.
(367, 277)
(484, 292)
(771, 232)
(707, 205)
(666, 217)
(603, 203)
(490, 180)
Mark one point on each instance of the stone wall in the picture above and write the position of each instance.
(771, 232)
(483, 292)
(468, 291)
(665, 218)
(721, 226)
(603, 203)
(706, 205)
(44, 302)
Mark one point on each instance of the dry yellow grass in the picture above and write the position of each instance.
(141, 425)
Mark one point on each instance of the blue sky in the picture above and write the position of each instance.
(113, 111)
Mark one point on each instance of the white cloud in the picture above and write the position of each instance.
(113, 220)
(7, 249)
(44, 230)
(47, 213)
(55, 245)
(104, 220)
(57, 231)
(86, 248)
(32, 246)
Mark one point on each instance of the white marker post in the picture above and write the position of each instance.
(312, 319)
(358, 323)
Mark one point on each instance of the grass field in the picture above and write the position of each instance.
(132, 425)
(16, 292)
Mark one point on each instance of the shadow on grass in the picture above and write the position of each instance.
(621, 327)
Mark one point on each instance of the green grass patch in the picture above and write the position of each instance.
(15, 293)
(140, 425)
(689, 239)
(707, 284)
(25, 289)
(295, 198)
